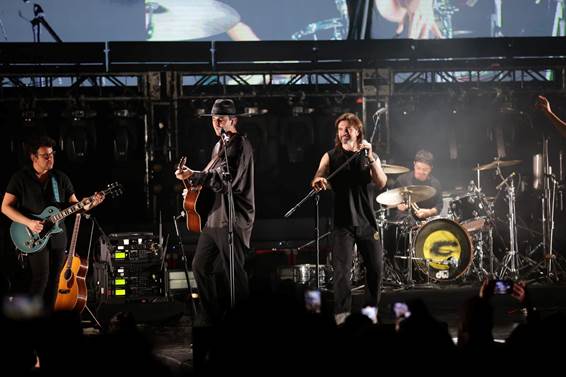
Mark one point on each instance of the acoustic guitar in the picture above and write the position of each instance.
(30, 242)
(198, 201)
(72, 292)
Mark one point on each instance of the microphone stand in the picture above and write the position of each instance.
(227, 178)
(185, 261)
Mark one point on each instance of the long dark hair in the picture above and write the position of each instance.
(353, 121)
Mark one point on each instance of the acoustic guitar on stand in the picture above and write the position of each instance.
(72, 292)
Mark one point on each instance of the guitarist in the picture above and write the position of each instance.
(213, 241)
(29, 191)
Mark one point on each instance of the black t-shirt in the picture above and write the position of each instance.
(352, 206)
(34, 196)
(408, 179)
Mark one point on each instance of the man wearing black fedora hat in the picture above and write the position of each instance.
(213, 242)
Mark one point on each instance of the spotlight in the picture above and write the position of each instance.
(78, 135)
(125, 139)
(254, 111)
(301, 110)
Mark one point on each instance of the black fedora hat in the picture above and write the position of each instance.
(223, 106)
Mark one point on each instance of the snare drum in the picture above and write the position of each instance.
(442, 249)
(303, 274)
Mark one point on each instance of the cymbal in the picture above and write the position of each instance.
(399, 195)
(497, 163)
(394, 169)
(175, 20)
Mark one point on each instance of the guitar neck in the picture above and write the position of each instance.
(76, 207)
(67, 212)
(74, 238)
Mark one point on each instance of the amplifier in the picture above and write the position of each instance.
(134, 281)
(133, 268)
(125, 247)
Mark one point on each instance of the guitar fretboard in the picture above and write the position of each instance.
(114, 189)
(66, 212)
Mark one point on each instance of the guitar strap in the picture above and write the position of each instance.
(213, 160)
(55, 189)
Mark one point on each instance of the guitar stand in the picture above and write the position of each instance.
(92, 223)
(93, 317)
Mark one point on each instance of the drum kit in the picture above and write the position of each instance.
(456, 246)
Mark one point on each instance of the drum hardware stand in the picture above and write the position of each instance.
(477, 267)
(511, 263)
(390, 274)
(550, 183)
(480, 271)
(411, 251)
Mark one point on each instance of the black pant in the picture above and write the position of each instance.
(342, 254)
(214, 293)
(45, 267)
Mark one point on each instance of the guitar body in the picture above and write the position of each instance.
(72, 291)
(198, 204)
(27, 241)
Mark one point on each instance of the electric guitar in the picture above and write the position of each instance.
(30, 242)
(198, 201)
(72, 292)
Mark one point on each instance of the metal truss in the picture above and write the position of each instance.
(523, 79)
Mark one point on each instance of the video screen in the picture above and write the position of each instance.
(245, 20)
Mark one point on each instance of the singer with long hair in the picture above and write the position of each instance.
(354, 219)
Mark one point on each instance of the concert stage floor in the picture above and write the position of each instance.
(173, 340)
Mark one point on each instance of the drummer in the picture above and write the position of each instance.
(421, 176)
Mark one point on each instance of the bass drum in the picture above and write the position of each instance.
(442, 249)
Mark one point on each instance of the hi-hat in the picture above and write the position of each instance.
(497, 163)
(394, 169)
(402, 194)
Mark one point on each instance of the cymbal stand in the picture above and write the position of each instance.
(483, 239)
(510, 263)
(550, 184)
(390, 273)
(549, 264)
(410, 281)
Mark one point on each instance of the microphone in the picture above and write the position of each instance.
(181, 215)
(505, 181)
(380, 111)
(366, 152)
(224, 135)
